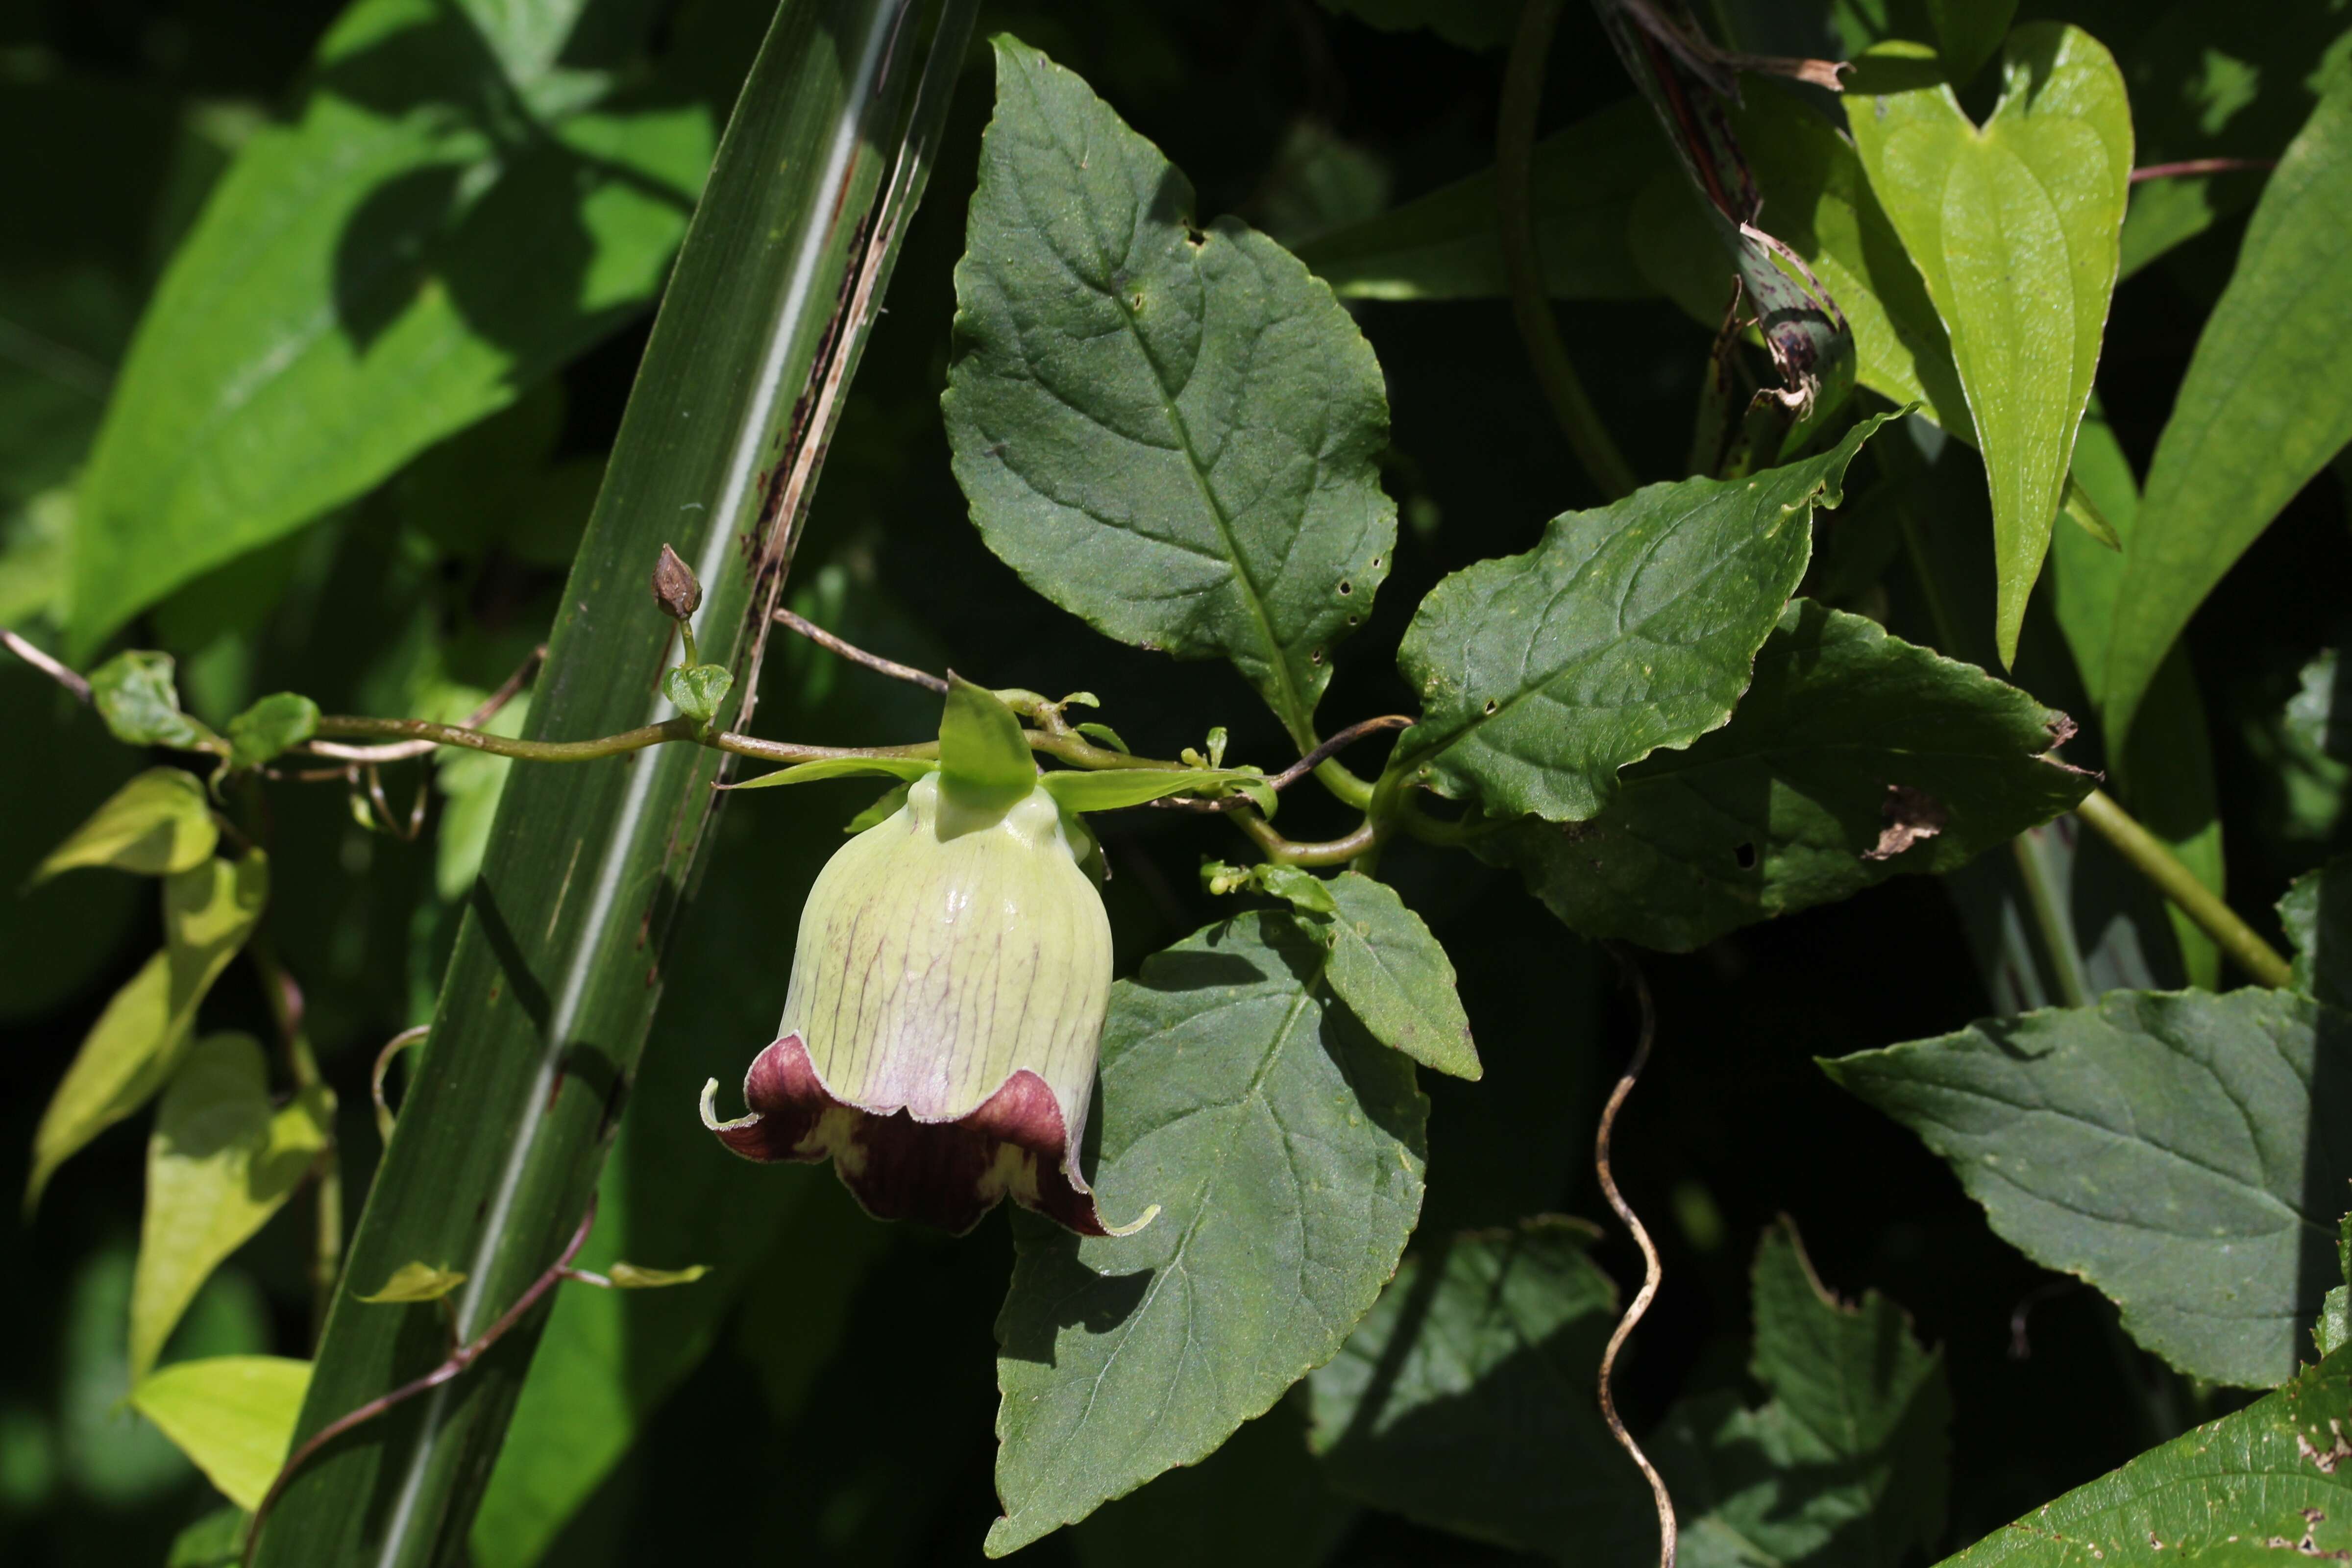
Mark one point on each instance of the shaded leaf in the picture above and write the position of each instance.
(1630, 628)
(158, 824)
(1465, 1399)
(458, 207)
(2266, 402)
(2013, 227)
(233, 1415)
(2316, 913)
(1300, 888)
(2184, 1152)
(1394, 975)
(1854, 756)
(277, 723)
(135, 694)
(1284, 1149)
(1171, 432)
(1846, 1461)
(221, 1160)
(2272, 1473)
(1581, 187)
(215, 1541)
(1259, 1501)
(416, 1281)
(129, 1052)
(698, 692)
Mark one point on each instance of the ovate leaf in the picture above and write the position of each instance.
(1284, 1148)
(1394, 975)
(1854, 756)
(2266, 1484)
(1845, 1463)
(1628, 628)
(1173, 432)
(2266, 402)
(2014, 227)
(135, 693)
(208, 911)
(220, 1162)
(415, 1281)
(277, 722)
(2168, 1148)
(158, 824)
(1465, 1399)
(233, 1415)
(2316, 913)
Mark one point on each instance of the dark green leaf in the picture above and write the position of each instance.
(1854, 756)
(2266, 402)
(1845, 1463)
(699, 691)
(1581, 187)
(135, 694)
(2273, 1474)
(1628, 628)
(157, 823)
(1285, 1149)
(459, 205)
(129, 1052)
(1394, 975)
(233, 1415)
(2013, 227)
(558, 962)
(1171, 432)
(2170, 1148)
(215, 1541)
(2317, 914)
(1465, 1399)
(1259, 1501)
(276, 723)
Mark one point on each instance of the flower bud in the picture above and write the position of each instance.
(940, 1036)
(676, 588)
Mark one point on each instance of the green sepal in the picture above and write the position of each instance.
(907, 768)
(697, 691)
(887, 805)
(280, 722)
(1105, 734)
(984, 761)
(1113, 788)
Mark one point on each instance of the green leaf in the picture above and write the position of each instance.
(2266, 402)
(984, 756)
(129, 1052)
(908, 768)
(221, 1160)
(1581, 187)
(1111, 789)
(1173, 433)
(2013, 227)
(699, 691)
(1845, 1463)
(233, 1415)
(1394, 975)
(629, 1277)
(459, 205)
(1465, 1399)
(1259, 1501)
(158, 824)
(134, 693)
(1628, 628)
(277, 723)
(2317, 914)
(567, 936)
(2333, 1330)
(2271, 1473)
(415, 1281)
(215, 1541)
(1302, 889)
(1103, 733)
(1284, 1149)
(1854, 756)
(2165, 1147)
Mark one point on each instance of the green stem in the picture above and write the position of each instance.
(2157, 862)
(2057, 932)
(346, 727)
(1328, 852)
(1515, 136)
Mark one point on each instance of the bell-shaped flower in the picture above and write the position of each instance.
(947, 989)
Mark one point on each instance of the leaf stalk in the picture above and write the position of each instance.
(2155, 861)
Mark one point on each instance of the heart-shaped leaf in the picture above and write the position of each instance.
(2014, 226)
(157, 823)
(233, 1414)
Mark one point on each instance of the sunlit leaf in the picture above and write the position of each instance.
(277, 722)
(1394, 975)
(629, 1277)
(157, 823)
(1113, 788)
(415, 1281)
(135, 693)
(233, 1415)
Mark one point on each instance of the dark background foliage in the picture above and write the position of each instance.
(887, 1458)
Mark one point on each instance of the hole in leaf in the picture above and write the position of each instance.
(1345, 587)
(1490, 705)
(1745, 854)
(1315, 658)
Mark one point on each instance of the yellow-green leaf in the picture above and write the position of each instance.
(629, 1277)
(220, 1162)
(157, 823)
(208, 911)
(2014, 226)
(233, 1415)
(418, 1282)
